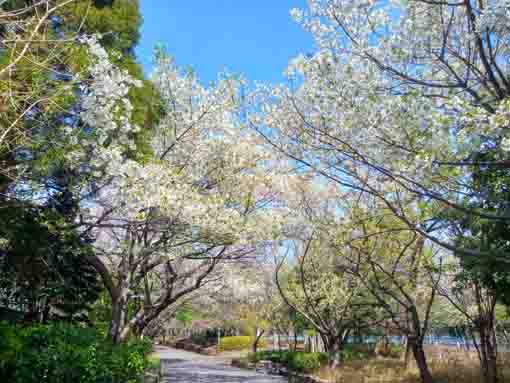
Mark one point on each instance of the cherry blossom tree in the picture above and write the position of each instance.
(400, 97)
(475, 301)
(332, 302)
(363, 267)
(202, 199)
(398, 269)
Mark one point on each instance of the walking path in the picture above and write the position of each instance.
(179, 366)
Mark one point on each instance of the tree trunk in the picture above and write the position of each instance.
(420, 358)
(407, 352)
(336, 354)
(488, 353)
(258, 335)
(118, 320)
(485, 324)
(333, 346)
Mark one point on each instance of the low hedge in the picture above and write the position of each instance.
(238, 343)
(68, 354)
(294, 360)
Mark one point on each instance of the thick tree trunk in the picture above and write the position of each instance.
(416, 346)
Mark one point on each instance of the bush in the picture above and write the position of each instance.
(237, 343)
(204, 340)
(309, 361)
(273, 356)
(395, 351)
(66, 353)
(294, 360)
(355, 352)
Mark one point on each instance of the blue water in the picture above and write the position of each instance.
(432, 339)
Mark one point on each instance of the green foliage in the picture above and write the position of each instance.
(65, 353)
(311, 361)
(354, 352)
(44, 263)
(235, 343)
(357, 351)
(395, 351)
(492, 195)
(100, 314)
(117, 21)
(184, 316)
(204, 339)
(294, 360)
(153, 363)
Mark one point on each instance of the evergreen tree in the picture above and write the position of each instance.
(42, 254)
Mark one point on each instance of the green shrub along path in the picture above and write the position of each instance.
(178, 366)
(295, 361)
(63, 353)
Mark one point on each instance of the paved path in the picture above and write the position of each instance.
(178, 366)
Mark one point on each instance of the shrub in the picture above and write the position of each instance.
(309, 361)
(354, 352)
(395, 351)
(273, 356)
(66, 353)
(204, 340)
(294, 360)
(237, 343)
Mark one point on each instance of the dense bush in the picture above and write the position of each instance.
(236, 343)
(294, 360)
(67, 354)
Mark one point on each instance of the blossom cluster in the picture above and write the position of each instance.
(381, 102)
(207, 172)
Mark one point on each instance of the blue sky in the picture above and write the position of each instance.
(253, 37)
